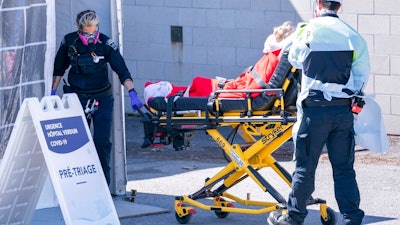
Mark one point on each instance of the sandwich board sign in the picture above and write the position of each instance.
(51, 137)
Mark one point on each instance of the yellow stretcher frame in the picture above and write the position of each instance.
(264, 132)
(245, 164)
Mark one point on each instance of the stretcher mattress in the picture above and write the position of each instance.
(262, 102)
(259, 103)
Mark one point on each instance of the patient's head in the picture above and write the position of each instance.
(280, 33)
(283, 31)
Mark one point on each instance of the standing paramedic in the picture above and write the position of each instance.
(86, 52)
(335, 63)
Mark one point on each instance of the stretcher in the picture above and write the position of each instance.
(264, 124)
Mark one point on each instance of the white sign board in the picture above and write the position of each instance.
(54, 132)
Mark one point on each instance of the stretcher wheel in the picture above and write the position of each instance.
(331, 217)
(184, 219)
(220, 214)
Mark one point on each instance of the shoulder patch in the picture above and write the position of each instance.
(301, 28)
(302, 25)
(112, 44)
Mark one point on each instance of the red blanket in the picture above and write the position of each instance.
(265, 67)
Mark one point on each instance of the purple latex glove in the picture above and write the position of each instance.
(53, 92)
(135, 101)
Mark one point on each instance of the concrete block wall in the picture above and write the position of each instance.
(380, 25)
(222, 37)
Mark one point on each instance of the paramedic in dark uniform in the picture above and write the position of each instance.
(87, 53)
(335, 63)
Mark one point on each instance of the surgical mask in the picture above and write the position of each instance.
(89, 38)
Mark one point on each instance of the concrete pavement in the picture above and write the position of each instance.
(379, 191)
(160, 174)
(125, 209)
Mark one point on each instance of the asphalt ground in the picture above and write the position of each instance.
(159, 174)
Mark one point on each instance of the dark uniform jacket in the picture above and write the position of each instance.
(89, 71)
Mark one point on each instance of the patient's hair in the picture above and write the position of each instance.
(283, 31)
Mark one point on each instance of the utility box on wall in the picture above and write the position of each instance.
(176, 34)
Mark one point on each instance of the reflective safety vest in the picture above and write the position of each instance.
(332, 55)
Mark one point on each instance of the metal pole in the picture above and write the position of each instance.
(118, 159)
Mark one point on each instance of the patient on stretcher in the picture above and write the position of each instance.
(269, 72)
(256, 77)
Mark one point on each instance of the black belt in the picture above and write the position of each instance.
(97, 94)
(324, 102)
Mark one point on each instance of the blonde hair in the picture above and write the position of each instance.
(87, 18)
(283, 31)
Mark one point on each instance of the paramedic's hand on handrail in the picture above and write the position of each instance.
(135, 101)
(53, 92)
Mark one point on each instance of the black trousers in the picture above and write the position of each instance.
(102, 123)
(333, 126)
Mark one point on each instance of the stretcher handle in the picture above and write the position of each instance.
(146, 116)
(140, 111)
(278, 92)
